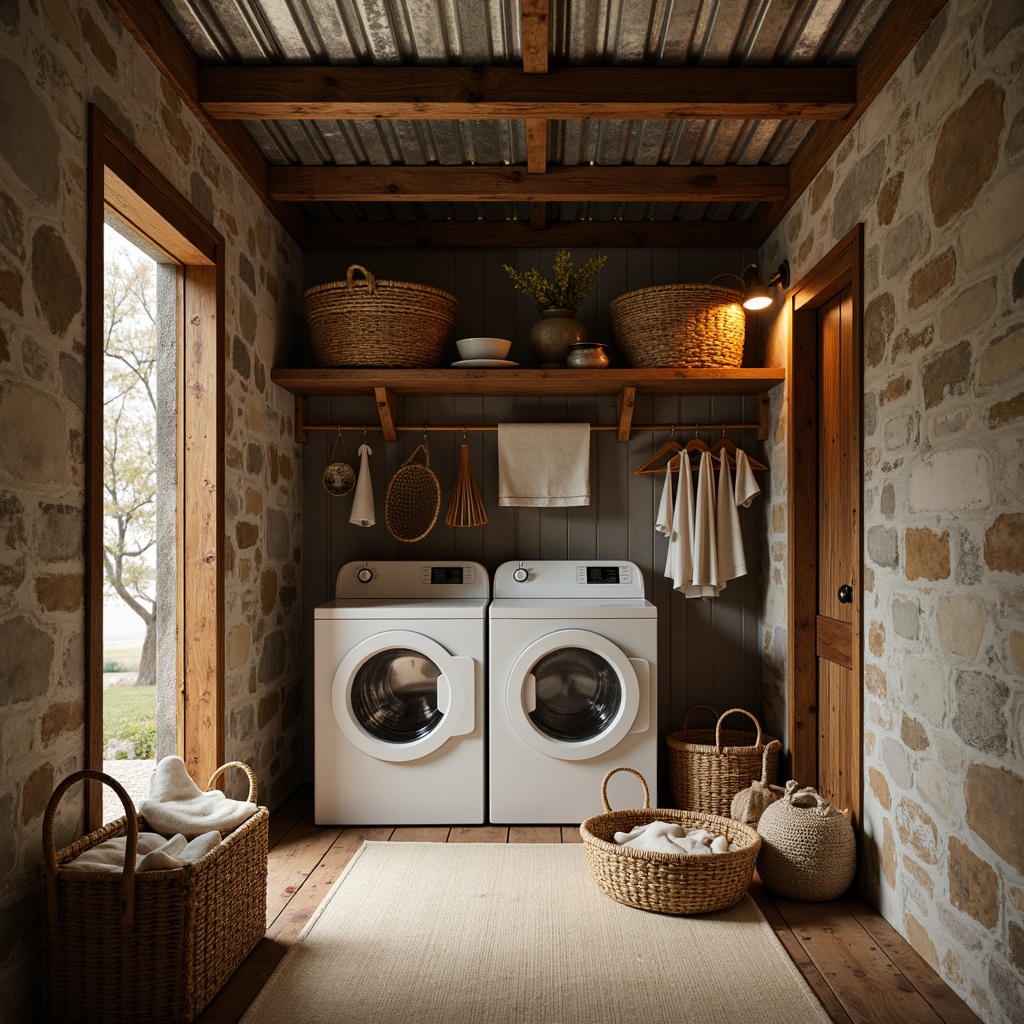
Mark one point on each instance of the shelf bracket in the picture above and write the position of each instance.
(625, 403)
(386, 411)
(301, 434)
(764, 408)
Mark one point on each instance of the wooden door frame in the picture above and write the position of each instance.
(121, 178)
(842, 267)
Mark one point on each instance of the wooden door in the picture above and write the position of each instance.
(824, 529)
(839, 754)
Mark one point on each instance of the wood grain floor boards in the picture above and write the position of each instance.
(857, 965)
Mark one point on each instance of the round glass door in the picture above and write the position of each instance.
(573, 694)
(394, 695)
(578, 694)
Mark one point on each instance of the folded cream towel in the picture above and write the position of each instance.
(155, 853)
(544, 465)
(177, 804)
(362, 501)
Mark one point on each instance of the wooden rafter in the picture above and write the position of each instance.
(424, 93)
(688, 234)
(512, 184)
(534, 15)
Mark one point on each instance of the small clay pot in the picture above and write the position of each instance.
(588, 355)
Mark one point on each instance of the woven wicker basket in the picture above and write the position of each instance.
(154, 946)
(668, 883)
(808, 848)
(696, 326)
(413, 499)
(375, 323)
(708, 767)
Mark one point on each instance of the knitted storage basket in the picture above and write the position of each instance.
(808, 848)
(669, 883)
(708, 767)
(687, 325)
(376, 323)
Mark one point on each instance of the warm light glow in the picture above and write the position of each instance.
(757, 302)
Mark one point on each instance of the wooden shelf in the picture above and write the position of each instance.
(626, 385)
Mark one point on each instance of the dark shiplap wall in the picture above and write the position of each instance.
(708, 650)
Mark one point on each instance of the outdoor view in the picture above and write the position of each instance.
(130, 517)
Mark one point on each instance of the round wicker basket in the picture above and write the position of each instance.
(374, 323)
(668, 883)
(695, 326)
(808, 848)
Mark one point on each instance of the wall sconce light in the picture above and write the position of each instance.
(755, 291)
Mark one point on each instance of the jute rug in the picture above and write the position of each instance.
(471, 933)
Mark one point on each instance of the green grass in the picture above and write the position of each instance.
(125, 656)
(129, 713)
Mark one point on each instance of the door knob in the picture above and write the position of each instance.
(845, 594)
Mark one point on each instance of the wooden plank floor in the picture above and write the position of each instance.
(859, 967)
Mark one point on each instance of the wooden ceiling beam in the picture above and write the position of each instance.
(892, 43)
(435, 184)
(158, 37)
(452, 93)
(616, 234)
(534, 14)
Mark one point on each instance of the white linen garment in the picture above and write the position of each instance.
(362, 500)
(705, 547)
(728, 539)
(747, 488)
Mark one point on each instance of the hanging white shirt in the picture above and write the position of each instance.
(729, 541)
(705, 576)
(747, 488)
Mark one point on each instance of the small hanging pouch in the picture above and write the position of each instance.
(413, 499)
(339, 477)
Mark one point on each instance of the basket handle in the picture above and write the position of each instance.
(245, 768)
(733, 711)
(371, 281)
(698, 707)
(772, 747)
(130, 850)
(415, 452)
(633, 771)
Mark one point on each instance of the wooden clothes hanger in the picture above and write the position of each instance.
(660, 459)
(728, 449)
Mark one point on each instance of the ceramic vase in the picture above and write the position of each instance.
(588, 355)
(553, 333)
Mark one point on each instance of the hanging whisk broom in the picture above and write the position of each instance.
(466, 507)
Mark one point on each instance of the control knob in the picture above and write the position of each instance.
(520, 575)
(364, 575)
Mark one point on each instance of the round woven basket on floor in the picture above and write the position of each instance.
(374, 323)
(695, 326)
(708, 767)
(668, 883)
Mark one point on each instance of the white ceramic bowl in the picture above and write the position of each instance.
(483, 348)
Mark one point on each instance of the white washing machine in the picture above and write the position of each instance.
(573, 681)
(399, 701)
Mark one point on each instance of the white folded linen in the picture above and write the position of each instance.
(671, 837)
(544, 465)
(155, 853)
(362, 500)
(747, 488)
(176, 804)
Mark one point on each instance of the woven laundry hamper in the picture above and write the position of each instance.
(808, 848)
(152, 947)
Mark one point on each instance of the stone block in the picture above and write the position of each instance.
(904, 243)
(272, 659)
(980, 718)
(894, 390)
(25, 667)
(920, 875)
(993, 229)
(67, 716)
(917, 829)
(887, 855)
(36, 792)
(1002, 414)
(268, 707)
(33, 437)
(875, 681)
(907, 342)
(55, 279)
(268, 590)
(970, 312)
(889, 199)
(59, 536)
(954, 481)
(278, 535)
(936, 788)
(966, 153)
(949, 372)
(883, 545)
(927, 554)
(973, 885)
(879, 787)
(858, 190)
(913, 733)
(961, 624)
(879, 322)
(60, 592)
(246, 534)
(924, 688)
(995, 811)
(876, 638)
(1004, 543)
(906, 618)
(931, 280)
(918, 937)
(897, 763)
(29, 141)
(902, 431)
(1017, 946)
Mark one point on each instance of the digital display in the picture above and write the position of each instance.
(446, 574)
(602, 574)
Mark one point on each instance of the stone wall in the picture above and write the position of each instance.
(935, 172)
(55, 58)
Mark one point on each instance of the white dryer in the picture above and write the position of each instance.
(399, 695)
(573, 680)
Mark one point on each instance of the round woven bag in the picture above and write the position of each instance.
(808, 849)
(413, 499)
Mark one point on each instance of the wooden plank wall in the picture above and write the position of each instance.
(708, 650)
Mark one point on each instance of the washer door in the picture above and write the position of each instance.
(574, 694)
(399, 695)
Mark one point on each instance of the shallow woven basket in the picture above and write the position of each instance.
(376, 323)
(668, 883)
(708, 767)
(696, 326)
(413, 499)
(121, 947)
